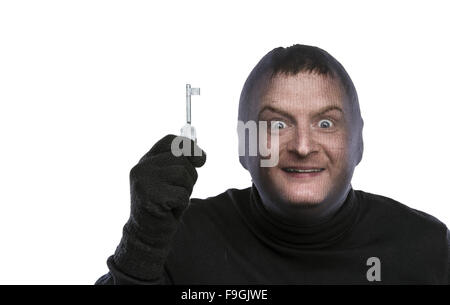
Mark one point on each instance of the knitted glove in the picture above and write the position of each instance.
(161, 185)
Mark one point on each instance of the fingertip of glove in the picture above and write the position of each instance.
(164, 144)
(198, 161)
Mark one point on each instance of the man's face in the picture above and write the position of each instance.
(317, 147)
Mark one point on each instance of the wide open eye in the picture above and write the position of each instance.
(278, 125)
(325, 124)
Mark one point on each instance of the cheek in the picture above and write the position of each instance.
(339, 153)
(335, 141)
(337, 148)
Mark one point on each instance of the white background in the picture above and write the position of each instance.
(87, 87)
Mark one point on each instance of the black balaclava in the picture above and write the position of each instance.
(293, 61)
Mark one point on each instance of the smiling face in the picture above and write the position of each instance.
(318, 146)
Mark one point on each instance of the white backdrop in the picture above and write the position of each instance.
(87, 87)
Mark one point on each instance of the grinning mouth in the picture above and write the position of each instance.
(302, 170)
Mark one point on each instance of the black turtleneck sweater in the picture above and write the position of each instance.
(232, 239)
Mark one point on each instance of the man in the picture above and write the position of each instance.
(300, 222)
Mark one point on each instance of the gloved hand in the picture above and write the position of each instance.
(161, 185)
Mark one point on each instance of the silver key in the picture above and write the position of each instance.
(188, 130)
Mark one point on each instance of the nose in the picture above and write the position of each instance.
(302, 142)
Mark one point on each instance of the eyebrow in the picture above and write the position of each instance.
(288, 115)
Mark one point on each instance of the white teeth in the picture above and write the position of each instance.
(292, 170)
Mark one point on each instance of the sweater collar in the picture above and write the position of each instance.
(291, 237)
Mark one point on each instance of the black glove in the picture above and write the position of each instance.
(161, 185)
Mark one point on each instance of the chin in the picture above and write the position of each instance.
(302, 197)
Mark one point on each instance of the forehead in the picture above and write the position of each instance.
(302, 92)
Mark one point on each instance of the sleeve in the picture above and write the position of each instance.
(140, 257)
(117, 277)
(448, 256)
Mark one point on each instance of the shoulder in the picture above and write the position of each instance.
(221, 199)
(392, 212)
(215, 210)
(207, 227)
